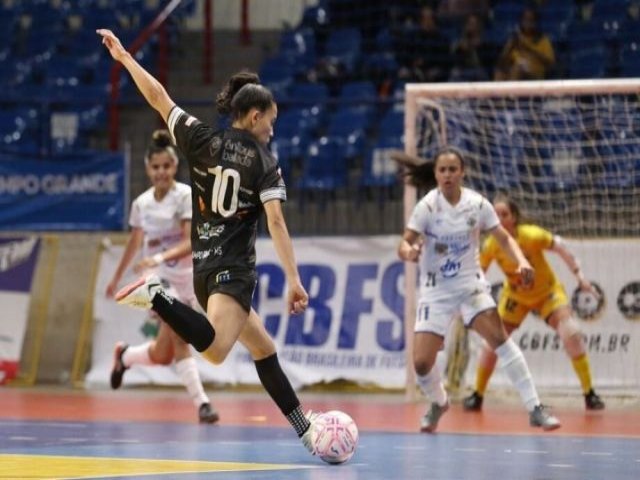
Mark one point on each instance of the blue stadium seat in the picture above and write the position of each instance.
(630, 60)
(344, 48)
(308, 93)
(324, 167)
(379, 170)
(350, 128)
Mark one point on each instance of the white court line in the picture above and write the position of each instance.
(543, 452)
(409, 448)
(20, 439)
(560, 465)
(602, 454)
(126, 440)
(74, 440)
(470, 449)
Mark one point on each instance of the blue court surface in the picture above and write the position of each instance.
(46, 449)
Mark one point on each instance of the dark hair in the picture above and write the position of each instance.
(242, 93)
(423, 176)
(514, 208)
(161, 141)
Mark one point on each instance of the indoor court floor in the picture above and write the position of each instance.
(153, 434)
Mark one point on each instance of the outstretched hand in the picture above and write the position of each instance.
(112, 43)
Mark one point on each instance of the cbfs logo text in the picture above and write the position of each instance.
(371, 291)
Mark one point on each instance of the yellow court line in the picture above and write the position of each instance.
(64, 467)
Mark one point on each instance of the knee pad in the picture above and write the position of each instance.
(571, 336)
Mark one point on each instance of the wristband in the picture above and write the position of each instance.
(158, 258)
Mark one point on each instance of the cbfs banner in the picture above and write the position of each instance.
(86, 192)
(18, 257)
(353, 328)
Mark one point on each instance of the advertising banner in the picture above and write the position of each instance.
(18, 257)
(75, 193)
(354, 328)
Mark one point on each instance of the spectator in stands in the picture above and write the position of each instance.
(546, 296)
(424, 51)
(470, 52)
(528, 54)
(233, 169)
(463, 8)
(442, 236)
(160, 227)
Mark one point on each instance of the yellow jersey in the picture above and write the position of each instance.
(533, 241)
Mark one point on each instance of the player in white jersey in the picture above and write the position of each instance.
(443, 235)
(160, 223)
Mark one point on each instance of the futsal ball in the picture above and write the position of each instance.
(334, 436)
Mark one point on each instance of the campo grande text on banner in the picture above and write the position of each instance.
(83, 192)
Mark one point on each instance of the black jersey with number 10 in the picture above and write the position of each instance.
(232, 175)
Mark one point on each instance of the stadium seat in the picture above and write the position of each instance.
(343, 48)
(379, 170)
(350, 128)
(324, 167)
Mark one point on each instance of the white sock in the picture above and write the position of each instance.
(137, 355)
(188, 371)
(431, 385)
(515, 366)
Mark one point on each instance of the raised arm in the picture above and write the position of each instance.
(560, 247)
(297, 296)
(151, 89)
(510, 246)
(133, 245)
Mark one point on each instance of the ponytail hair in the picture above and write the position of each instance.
(242, 93)
(161, 141)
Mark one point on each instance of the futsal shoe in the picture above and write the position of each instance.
(139, 293)
(592, 401)
(207, 414)
(307, 441)
(119, 367)
(540, 417)
(473, 403)
(430, 420)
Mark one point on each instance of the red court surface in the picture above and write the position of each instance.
(382, 412)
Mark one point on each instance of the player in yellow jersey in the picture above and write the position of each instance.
(546, 296)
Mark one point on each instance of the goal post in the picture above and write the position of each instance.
(568, 151)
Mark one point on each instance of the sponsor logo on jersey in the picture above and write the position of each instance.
(450, 269)
(201, 254)
(223, 277)
(206, 230)
(236, 152)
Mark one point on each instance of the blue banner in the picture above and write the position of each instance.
(75, 193)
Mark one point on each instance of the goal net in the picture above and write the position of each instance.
(568, 152)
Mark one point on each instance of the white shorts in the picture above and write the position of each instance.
(435, 313)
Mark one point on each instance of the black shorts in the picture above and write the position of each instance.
(238, 283)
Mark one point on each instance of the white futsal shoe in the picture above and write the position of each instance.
(139, 293)
(540, 417)
(429, 421)
(306, 436)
